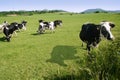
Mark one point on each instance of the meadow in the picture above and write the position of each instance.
(32, 56)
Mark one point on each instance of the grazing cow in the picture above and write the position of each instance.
(54, 24)
(22, 25)
(41, 28)
(8, 30)
(91, 33)
(5, 23)
(51, 26)
(57, 22)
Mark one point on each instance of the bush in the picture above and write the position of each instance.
(105, 63)
(102, 64)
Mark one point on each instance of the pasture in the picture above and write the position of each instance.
(30, 56)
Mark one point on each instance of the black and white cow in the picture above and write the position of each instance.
(5, 23)
(46, 24)
(91, 33)
(9, 30)
(41, 28)
(57, 23)
(22, 25)
(49, 25)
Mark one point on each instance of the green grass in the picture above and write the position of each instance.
(39, 57)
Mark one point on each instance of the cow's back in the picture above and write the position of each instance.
(89, 32)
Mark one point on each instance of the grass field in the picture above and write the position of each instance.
(39, 57)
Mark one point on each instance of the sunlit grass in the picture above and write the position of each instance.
(31, 56)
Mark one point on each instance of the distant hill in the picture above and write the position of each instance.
(116, 11)
(98, 10)
(93, 10)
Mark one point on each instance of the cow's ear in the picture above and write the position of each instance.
(112, 25)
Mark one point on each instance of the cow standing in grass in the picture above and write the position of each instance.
(9, 30)
(52, 27)
(54, 24)
(48, 25)
(45, 25)
(41, 28)
(22, 25)
(91, 33)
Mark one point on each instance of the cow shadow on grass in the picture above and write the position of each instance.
(2, 39)
(35, 34)
(61, 53)
(40, 33)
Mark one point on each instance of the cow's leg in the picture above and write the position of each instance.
(52, 29)
(6, 32)
(43, 30)
(88, 46)
(8, 38)
(14, 33)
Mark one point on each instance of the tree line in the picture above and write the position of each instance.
(28, 13)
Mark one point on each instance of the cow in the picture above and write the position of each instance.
(41, 28)
(22, 25)
(5, 23)
(48, 25)
(9, 30)
(91, 33)
(54, 24)
(51, 26)
(57, 23)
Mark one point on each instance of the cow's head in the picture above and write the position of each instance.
(5, 24)
(41, 21)
(58, 22)
(24, 25)
(24, 22)
(106, 30)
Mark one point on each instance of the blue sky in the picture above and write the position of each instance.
(68, 5)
